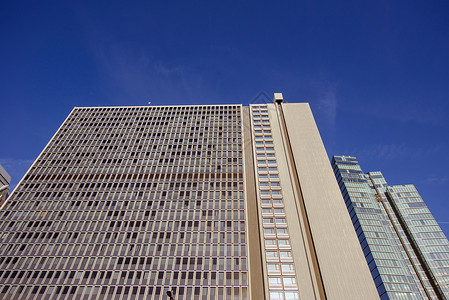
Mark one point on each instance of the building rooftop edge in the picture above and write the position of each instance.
(196, 105)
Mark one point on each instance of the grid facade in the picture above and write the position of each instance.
(403, 245)
(206, 201)
(277, 252)
(424, 231)
(129, 202)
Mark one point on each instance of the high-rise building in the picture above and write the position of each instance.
(406, 250)
(207, 201)
(5, 178)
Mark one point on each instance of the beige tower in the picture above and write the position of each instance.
(309, 247)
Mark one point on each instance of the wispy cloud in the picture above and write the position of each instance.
(421, 112)
(327, 106)
(261, 97)
(436, 180)
(396, 151)
(138, 77)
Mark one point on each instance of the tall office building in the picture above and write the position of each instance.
(5, 179)
(208, 202)
(406, 251)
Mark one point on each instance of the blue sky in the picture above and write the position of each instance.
(376, 73)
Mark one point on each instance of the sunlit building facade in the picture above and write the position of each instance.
(406, 250)
(5, 179)
(205, 201)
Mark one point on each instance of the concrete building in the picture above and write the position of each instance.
(5, 179)
(208, 202)
(405, 248)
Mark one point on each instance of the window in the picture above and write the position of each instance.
(273, 267)
(291, 296)
(274, 281)
(289, 281)
(286, 254)
(281, 231)
(276, 296)
(270, 242)
(284, 242)
(287, 268)
(272, 254)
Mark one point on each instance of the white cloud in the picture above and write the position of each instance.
(327, 106)
(436, 180)
(395, 151)
(132, 75)
(418, 111)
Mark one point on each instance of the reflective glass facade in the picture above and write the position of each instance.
(403, 245)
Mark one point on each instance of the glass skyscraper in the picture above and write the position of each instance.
(406, 250)
(206, 201)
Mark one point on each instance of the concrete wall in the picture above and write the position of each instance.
(342, 266)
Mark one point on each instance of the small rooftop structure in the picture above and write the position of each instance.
(278, 98)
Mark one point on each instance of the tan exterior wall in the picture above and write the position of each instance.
(344, 272)
(307, 284)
